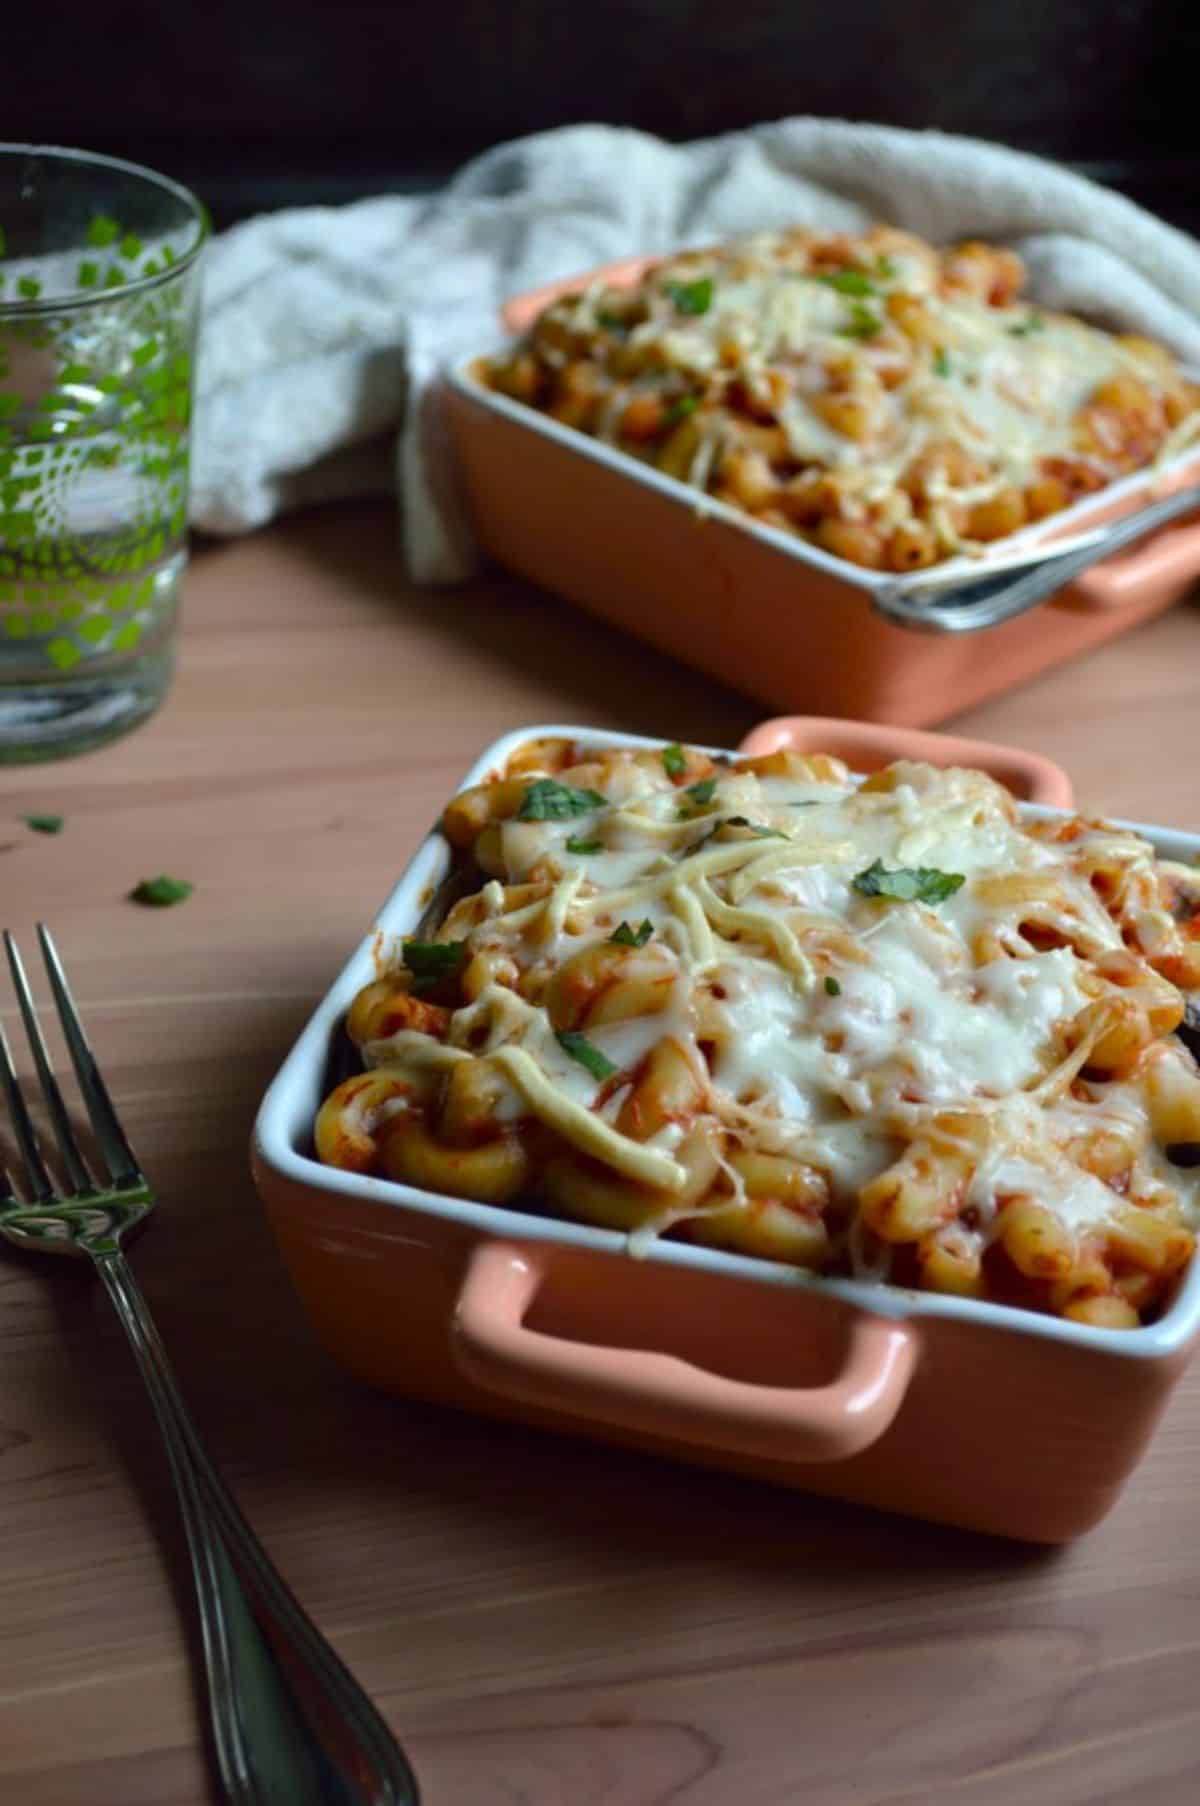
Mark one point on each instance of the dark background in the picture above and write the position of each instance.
(259, 105)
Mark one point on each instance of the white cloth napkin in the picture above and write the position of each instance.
(326, 327)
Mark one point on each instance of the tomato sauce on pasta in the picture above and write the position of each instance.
(887, 1028)
(891, 402)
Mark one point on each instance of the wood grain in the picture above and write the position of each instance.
(544, 1622)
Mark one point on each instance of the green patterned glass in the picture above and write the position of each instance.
(99, 299)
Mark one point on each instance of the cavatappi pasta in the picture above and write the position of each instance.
(886, 1029)
(891, 402)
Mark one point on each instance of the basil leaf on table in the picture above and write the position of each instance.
(161, 892)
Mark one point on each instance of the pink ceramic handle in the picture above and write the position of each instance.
(1167, 560)
(866, 745)
(662, 1395)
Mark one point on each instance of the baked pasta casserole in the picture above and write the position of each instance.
(883, 1028)
(891, 402)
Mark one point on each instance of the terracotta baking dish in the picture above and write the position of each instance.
(975, 1414)
(758, 608)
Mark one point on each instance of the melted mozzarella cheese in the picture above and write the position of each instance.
(1006, 384)
(1076, 1198)
(835, 1025)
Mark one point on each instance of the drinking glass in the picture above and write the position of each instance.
(99, 300)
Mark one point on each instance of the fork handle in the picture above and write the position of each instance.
(291, 1727)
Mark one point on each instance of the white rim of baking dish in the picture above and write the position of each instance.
(707, 507)
(283, 1128)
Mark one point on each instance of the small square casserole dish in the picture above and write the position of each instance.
(754, 604)
(988, 1415)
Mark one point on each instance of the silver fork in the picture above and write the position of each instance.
(291, 1726)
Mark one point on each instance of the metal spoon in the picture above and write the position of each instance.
(990, 600)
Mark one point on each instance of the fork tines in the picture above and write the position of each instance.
(122, 1167)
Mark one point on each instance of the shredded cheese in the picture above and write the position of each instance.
(956, 1004)
(913, 380)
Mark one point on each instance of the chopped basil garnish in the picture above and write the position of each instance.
(428, 961)
(755, 827)
(885, 269)
(625, 936)
(576, 843)
(848, 282)
(733, 821)
(862, 324)
(548, 800)
(909, 884)
(674, 760)
(703, 792)
(941, 363)
(832, 988)
(160, 893)
(692, 297)
(1031, 323)
(581, 1049)
(44, 824)
(679, 410)
(611, 322)
(704, 838)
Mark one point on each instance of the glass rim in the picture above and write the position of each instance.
(139, 285)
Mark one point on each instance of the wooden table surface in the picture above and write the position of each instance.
(545, 1622)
